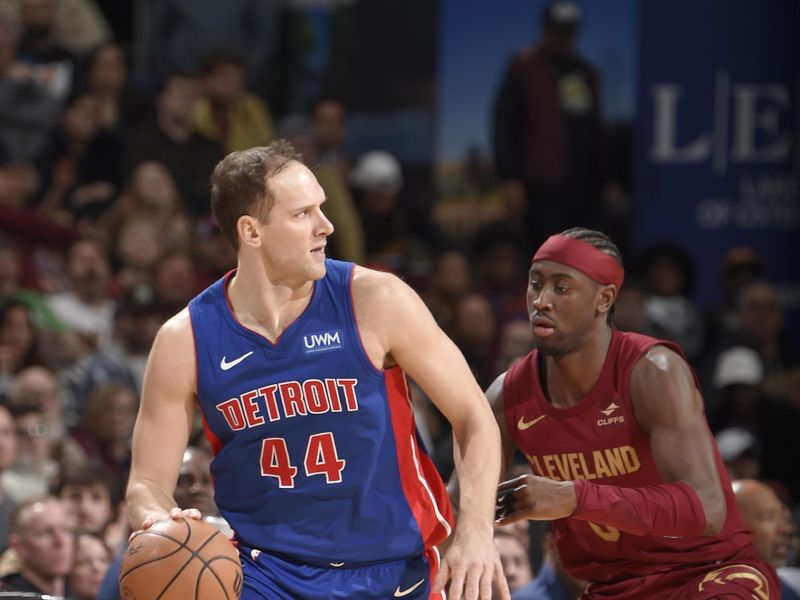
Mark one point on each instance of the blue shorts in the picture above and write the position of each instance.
(272, 577)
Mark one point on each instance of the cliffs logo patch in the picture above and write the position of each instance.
(323, 341)
(613, 415)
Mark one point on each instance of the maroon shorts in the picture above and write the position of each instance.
(747, 579)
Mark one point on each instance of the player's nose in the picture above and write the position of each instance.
(324, 227)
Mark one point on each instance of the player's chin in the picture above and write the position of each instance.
(317, 269)
(547, 347)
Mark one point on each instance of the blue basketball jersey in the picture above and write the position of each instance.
(316, 454)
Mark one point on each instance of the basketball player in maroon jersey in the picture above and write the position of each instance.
(613, 427)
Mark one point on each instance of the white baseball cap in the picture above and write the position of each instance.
(377, 171)
(735, 441)
(738, 365)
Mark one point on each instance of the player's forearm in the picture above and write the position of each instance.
(145, 498)
(670, 509)
(478, 471)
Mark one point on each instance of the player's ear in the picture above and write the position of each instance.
(248, 231)
(608, 294)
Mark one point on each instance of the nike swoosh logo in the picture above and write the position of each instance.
(522, 424)
(406, 592)
(225, 365)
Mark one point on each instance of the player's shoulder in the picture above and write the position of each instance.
(374, 286)
(177, 329)
(658, 360)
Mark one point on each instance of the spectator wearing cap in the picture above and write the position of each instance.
(741, 402)
(547, 129)
(136, 322)
(377, 181)
(740, 451)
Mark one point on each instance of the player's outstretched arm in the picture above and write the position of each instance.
(669, 409)
(163, 425)
(494, 394)
(393, 319)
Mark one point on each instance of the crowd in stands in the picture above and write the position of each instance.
(105, 231)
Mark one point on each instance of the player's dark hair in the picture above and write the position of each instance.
(602, 242)
(240, 184)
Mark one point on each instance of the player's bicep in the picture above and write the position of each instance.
(669, 407)
(429, 356)
(164, 422)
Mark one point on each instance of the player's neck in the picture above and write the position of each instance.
(264, 305)
(572, 376)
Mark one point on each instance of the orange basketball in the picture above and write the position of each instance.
(180, 560)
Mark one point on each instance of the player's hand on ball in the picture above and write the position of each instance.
(471, 563)
(175, 513)
(532, 497)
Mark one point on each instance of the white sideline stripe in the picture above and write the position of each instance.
(424, 483)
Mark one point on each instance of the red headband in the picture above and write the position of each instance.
(582, 256)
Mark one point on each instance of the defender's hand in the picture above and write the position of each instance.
(532, 497)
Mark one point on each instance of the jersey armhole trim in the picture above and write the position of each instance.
(508, 397)
(196, 357)
(361, 350)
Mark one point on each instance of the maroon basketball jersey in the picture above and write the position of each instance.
(599, 440)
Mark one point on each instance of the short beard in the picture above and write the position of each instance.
(546, 349)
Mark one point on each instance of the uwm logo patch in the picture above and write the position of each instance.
(323, 341)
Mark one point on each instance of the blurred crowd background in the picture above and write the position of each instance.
(449, 149)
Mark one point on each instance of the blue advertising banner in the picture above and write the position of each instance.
(718, 120)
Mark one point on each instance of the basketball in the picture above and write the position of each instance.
(180, 560)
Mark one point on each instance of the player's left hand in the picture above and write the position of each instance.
(471, 563)
(533, 497)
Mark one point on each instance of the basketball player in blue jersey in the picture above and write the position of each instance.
(298, 364)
